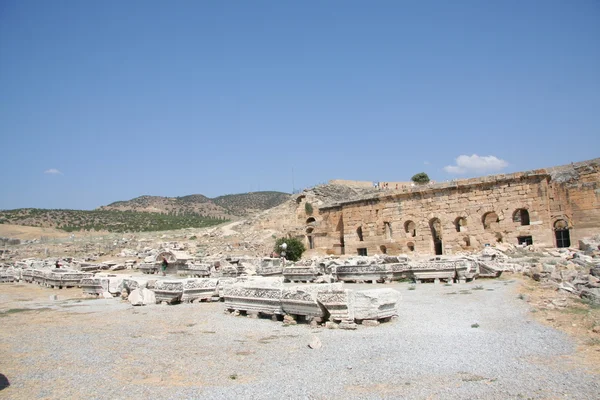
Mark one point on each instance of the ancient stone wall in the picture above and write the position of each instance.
(468, 214)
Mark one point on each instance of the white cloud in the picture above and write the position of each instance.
(426, 162)
(476, 164)
(53, 171)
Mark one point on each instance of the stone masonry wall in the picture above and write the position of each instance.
(467, 214)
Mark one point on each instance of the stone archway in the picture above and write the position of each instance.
(310, 238)
(410, 228)
(436, 232)
(562, 234)
(490, 220)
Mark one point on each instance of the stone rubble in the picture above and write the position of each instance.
(254, 286)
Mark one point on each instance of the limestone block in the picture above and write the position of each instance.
(169, 291)
(136, 298)
(148, 296)
(115, 284)
(256, 296)
(199, 289)
(376, 303)
(339, 303)
(302, 300)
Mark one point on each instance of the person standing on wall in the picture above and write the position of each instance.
(164, 265)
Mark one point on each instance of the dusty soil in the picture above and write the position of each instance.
(578, 319)
(482, 345)
(30, 232)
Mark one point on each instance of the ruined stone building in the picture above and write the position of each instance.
(551, 207)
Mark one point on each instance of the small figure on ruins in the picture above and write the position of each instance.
(164, 266)
(57, 264)
(282, 253)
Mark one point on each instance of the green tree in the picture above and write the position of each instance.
(294, 250)
(420, 178)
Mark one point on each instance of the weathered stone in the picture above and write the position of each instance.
(348, 325)
(592, 295)
(142, 297)
(262, 295)
(339, 303)
(363, 272)
(315, 343)
(302, 300)
(169, 291)
(300, 273)
(199, 289)
(370, 322)
(376, 304)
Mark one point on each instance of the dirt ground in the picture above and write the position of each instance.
(137, 342)
(577, 318)
(30, 232)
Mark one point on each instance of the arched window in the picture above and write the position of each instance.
(411, 246)
(311, 221)
(410, 228)
(521, 216)
(489, 219)
(383, 249)
(359, 233)
(459, 223)
(387, 230)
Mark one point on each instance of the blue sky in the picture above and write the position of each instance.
(109, 100)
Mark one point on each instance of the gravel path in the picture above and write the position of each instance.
(106, 349)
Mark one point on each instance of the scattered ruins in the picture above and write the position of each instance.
(542, 223)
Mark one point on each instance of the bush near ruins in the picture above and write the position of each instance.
(308, 208)
(420, 178)
(294, 250)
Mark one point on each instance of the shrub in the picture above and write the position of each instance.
(294, 250)
(308, 208)
(420, 178)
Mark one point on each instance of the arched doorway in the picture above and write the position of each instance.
(410, 228)
(490, 220)
(436, 232)
(310, 238)
(561, 232)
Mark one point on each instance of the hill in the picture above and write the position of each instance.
(193, 204)
(105, 220)
(250, 203)
(149, 213)
(228, 206)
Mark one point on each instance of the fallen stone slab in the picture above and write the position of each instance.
(376, 304)
(364, 272)
(254, 296)
(199, 289)
(142, 297)
(302, 300)
(300, 273)
(170, 291)
(339, 304)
